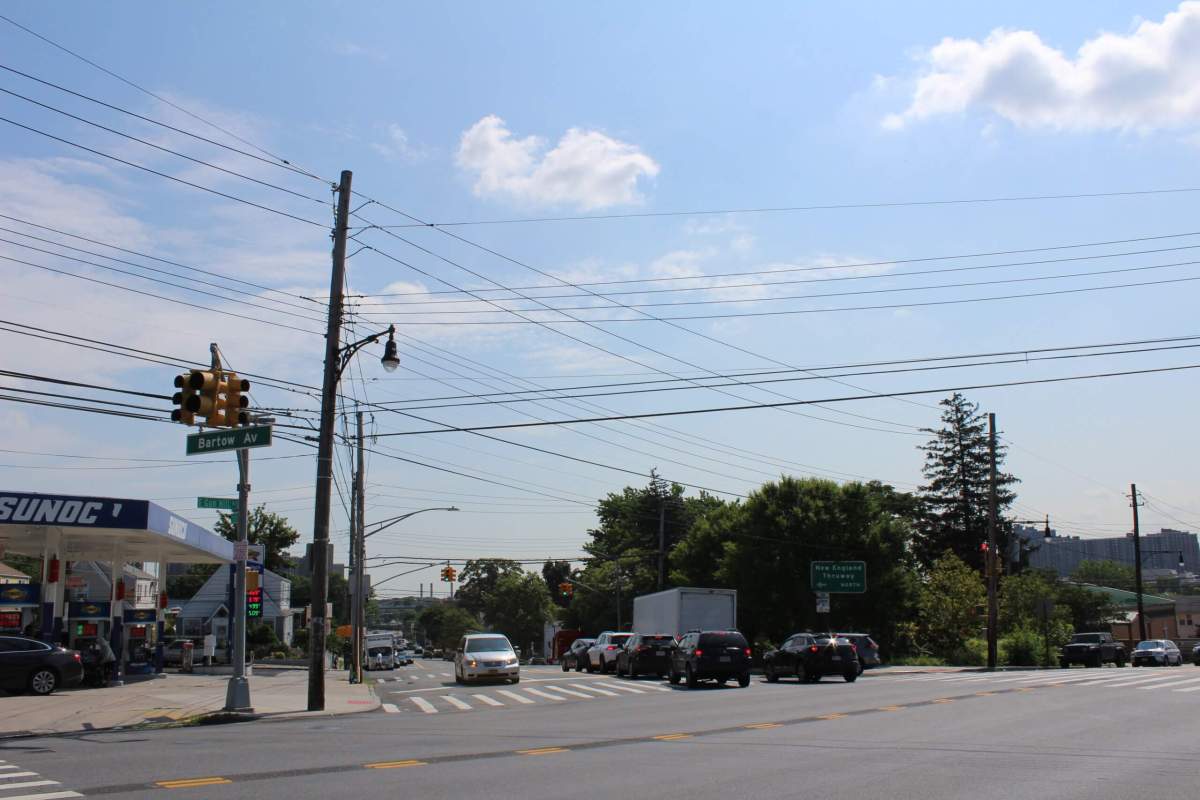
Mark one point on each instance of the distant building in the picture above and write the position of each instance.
(1160, 551)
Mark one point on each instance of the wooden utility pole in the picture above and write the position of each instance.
(1137, 565)
(992, 555)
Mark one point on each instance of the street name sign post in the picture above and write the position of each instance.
(222, 503)
(838, 577)
(228, 439)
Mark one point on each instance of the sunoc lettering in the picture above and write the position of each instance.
(48, 511)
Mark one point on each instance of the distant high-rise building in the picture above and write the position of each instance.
(1160, 551)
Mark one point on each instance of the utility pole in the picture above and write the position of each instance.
(1137, 565)
(361, 588)
(662, 549)
(355, 665)
(320, 551)
(992, 554)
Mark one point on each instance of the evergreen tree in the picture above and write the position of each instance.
(955, 495)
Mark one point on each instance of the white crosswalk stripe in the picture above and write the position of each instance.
(14, 778)
(540, 693)
(514, 696)
(1139, 681)
(622, 688)
(596, 689)
(424, 705)
(391, 708)
(1172, 684)
(491, 701)
(8, 775)
(1189, 689)
(454, 701)
(571, 692)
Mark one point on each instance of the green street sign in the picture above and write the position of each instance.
(228, 439)
(840, 577)
(222, 503)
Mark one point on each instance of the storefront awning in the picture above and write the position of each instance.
(99, 528)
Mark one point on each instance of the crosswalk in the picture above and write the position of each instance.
(546, 693)
(1165, 680)
(23, 784)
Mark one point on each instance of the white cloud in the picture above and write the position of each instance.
(397, 147)
(586, 169)
(1146, 80)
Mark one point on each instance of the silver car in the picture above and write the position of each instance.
(486, 656)
(1162, 652)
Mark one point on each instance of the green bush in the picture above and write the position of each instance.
(1022, 648)
(972, 653)
(916, 661)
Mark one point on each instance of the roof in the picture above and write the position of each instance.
(1126, 600)
(9, 572)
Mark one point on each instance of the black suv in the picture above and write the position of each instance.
(576, 654)
(645, 654)
(716, 655)
(811, 656)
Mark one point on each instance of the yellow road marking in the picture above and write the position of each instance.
(944, 700)
(670, 737)
(1024, 688)
(984, 694)
(188, 783)
(832, 716)
(762, 726)
(412, 762)
(892, 708)
(542, 751)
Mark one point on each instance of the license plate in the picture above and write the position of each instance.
(493, 671)
(660, 652)
(724, 658)
(837, 658)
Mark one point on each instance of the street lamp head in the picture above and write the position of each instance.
(391, 358)
(455, 508)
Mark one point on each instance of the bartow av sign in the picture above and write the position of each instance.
(228, 439)
(840, 577)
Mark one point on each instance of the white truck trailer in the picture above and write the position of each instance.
(683, 609)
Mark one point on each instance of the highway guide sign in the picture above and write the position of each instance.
(228, 439)
(842, 577)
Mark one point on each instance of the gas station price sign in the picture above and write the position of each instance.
(254, 600)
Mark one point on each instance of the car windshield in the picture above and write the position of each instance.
(488, 644)
(620, 638)
(825, 640)
(729, 639)
(1087, 638)
(1152, 645)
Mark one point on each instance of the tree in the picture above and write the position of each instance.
(270, 530)
(519, 607)
(955, 495)
(185, 586)
(445, 624)
(949, 603)
(1105, 573)
(478, 580)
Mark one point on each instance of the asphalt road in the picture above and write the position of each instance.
(1109, 733)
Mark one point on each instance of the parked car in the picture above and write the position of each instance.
(486, 656)
(447, 655)
(812, 656)
(866, 649)
(602, 655)
(1092, 650)
(1196, 655)
(711, 655)
(645, 654)
(1157, 652)
(30, 665)
(173, 652)
(576, 654)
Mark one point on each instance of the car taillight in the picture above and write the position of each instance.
(75, 656)
(854, 647)
(642, 647)
(699, 652)
(612, 647)
(813, 649)
(747, 651)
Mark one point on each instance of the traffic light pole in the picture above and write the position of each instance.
(360, 613)
(993, 557)
(320, 549)
(237, 692)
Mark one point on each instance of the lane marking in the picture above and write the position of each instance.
(188, 783)
(571, 692)
(45, 796)
(4, 787)
(890, 708)
(623, 688)
(454, 701)
(391, 708)
(515, 696)
(1192, 689)
(762, 726)
(1165, 685)
(1015, 689)
(424, 705)
(547, 695)
(541, 751)
(595, 689)
(16, 774)
(949, 699)
(491, 701)
(672, 737)
(831, 716)
(412, 762)
(1137, 681)
(985, 694)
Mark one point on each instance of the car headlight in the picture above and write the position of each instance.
(513, 661)
(472, 663)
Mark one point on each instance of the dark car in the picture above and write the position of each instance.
(646, 654)
(810, 657)
(1092, 650)
(576, 655)
(711, 655)
(27, 664)
(866, 649)
(1196, 655)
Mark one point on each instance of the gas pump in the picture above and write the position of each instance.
(139, 639)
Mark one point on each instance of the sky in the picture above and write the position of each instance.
(807, 190)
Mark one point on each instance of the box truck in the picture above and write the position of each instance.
(685, 608)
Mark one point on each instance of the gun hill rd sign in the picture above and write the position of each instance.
(841, 577)
(231, 439)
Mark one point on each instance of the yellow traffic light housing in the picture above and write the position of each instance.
(235, 402)
(182, 400)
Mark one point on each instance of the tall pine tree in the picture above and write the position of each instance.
(955, 494)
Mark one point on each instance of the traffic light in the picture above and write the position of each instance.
(182, 400)
(235, 402)
(449, 573)
(567, 589)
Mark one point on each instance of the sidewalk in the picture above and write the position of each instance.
(177, 697)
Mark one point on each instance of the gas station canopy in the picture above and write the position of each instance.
(97, 528)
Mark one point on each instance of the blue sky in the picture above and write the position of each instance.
(484, 112)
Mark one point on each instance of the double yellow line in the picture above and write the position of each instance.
(190, 783)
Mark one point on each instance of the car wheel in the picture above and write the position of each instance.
(603, 666)
(692, 682)
(744, 680)
(43, 681)
(1120, 662)
(850, 676)
(673, 677)
(591, 670)
(661, 675)
(578, 667)
(515, 680)
(860, 668)
(1064, 664)
(564, 666)
(771, 675)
